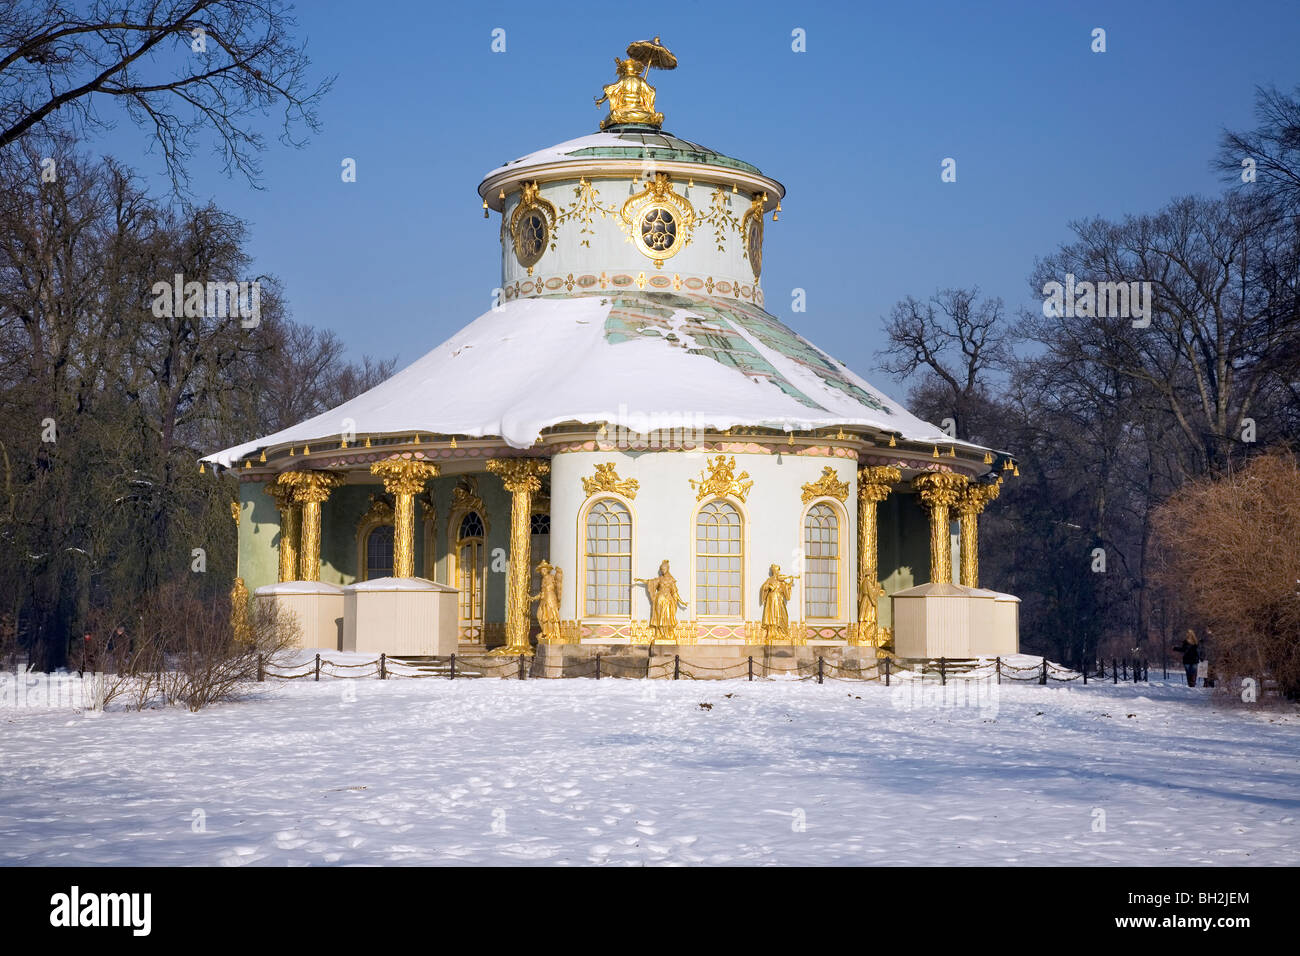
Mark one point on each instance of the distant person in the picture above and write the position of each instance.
(1191, 652)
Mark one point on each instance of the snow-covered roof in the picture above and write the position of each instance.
(644, 360)
(623, 142)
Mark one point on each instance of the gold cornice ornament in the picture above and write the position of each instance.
(719, 479)
(607, 479)
(658, 221)
(828, 485)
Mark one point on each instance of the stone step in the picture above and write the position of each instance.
(438, 666)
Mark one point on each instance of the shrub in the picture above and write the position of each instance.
(1232, 547)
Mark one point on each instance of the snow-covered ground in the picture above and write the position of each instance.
(633, 772)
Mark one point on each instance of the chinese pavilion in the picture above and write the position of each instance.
(657, 458)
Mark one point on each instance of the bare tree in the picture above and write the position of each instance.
(1224, 322)
(956, 342)
(181, 69)
(1271, 151)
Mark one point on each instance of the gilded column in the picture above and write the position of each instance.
(311, 489)
(972, 502)
(939, 491)
(874, 486)
(290, 522)
(522, 477)
(403, 479)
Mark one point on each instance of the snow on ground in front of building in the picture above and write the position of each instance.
(633, 772)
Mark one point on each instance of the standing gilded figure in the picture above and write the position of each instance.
(664, 602)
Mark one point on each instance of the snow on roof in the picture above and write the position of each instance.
(643, 360)
(623, 139)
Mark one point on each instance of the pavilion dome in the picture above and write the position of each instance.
(631, 295)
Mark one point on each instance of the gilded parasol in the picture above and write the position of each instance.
(652, 53)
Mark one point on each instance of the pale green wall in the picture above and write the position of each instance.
(259, 536)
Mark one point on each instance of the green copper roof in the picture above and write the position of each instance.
(646, 142)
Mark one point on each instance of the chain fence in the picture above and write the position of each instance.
(886, 670)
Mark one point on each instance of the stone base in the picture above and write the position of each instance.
(316, 607)
(702, 661)
(400, 616)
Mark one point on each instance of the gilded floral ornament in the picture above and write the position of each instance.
(721, 218)
(583, 210)
(719, 479)
(828, 485)
(607, 479)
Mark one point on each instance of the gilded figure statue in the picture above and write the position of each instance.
(631, 99)
(548, 600)
(664, 602)
(775, 594)
(869, 608)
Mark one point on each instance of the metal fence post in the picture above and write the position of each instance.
(943, 672)
(887, 660)
(521, 666)
(997, 661)
(677, 665)
(453, 666)
(383, 667)
(1114, 671)
(597, 667)
(1044, 677)
(1085, 671)
(318, 667)
(751, 666)
(819, 668)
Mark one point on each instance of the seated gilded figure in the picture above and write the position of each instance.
(631, 98)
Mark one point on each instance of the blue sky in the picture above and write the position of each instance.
(1043, 130)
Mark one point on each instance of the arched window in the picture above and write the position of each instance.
(821, 549)
(608, 549)
(470, 570)
(719, 560)
(379, 552)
